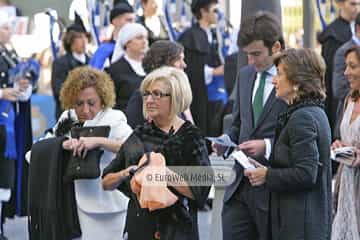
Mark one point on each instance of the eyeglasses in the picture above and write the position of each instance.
(155, 94)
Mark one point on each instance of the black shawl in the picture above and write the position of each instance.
(52, 205)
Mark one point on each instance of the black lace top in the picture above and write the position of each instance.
(186, 147)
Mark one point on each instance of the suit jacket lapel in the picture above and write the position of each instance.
(252, 77)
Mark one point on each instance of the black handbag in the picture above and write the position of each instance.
(88, 167)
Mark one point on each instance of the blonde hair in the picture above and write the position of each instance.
(84, 77)
(178, 84)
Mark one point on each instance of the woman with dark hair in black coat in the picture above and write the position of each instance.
(299, 176)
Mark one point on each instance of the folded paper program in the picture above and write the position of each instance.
(223, 140)
(345, 155)
(241, 158)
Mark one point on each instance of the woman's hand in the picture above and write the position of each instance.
(85, 144)
(135, 186)
(338, 143)
(356, 162)
(81, 146)
(126, 172)
(257, 176)
(112, 180)
(70, 144)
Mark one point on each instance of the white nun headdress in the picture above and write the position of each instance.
(126, 33)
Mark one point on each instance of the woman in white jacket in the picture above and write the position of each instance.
(89, 94)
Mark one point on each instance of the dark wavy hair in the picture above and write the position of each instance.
(197, 5)
(70, 37)
(354, 93)
(305, 69)
(161, 53)
(263, 26)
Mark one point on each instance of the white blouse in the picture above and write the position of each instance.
(90, 196)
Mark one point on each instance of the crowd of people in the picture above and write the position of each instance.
(159, 100)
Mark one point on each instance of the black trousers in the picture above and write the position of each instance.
(7, 166)
(246, 215)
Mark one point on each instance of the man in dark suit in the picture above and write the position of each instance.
(245, 211)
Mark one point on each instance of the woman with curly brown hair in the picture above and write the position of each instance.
(89, 96)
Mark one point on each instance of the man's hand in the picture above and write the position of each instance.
(253, 147)
(218, 149)
(10, 94)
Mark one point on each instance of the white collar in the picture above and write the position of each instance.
(98, 117)
(272, 70)
(135, 65)
(80, 57)
(208, 34)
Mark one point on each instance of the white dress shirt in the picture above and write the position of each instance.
(271, 72)
(90, 196)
